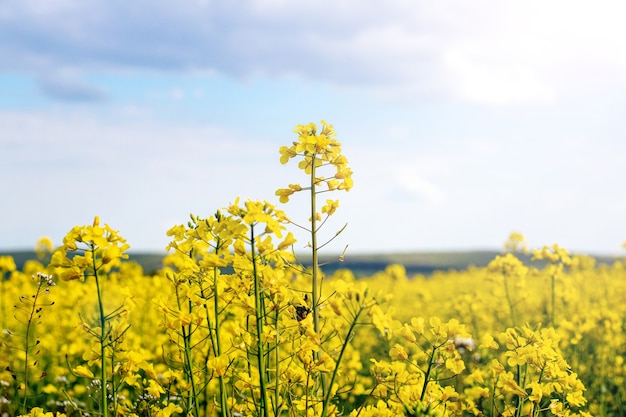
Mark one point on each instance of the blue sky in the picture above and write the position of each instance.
(462, 121)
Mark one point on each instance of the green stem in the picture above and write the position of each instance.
(103, 374)
(493, 396)
(189, 360)
(102, 340)
(536, 407)
(218, 344)
(277, 359)
(212, 346)
(339, 358)
(258, 309)
(27, 345)
(217, 347)
(314, 255)
(520, 400)
(114, 386)
(369, 395)
(214, 331)
(427, 375)
(192, 401)
(316, 287)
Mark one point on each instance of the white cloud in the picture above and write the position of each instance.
(544, 139)
(67, 166)
(486, 51)
(475, 79)
(411, 182)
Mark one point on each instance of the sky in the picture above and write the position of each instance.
(462, 121)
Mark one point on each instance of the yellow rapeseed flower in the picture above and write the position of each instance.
(83, 371)
(218, 364)
(418, 324)
(330, 207)
(398, 352)
(287, 242)
(154, 389)
(488, 342)
(536, 392)
(7, 264)
(455, 364)
(316, 150)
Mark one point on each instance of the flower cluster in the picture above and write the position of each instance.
(234, 324)
(95, 248)
(316, 150)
